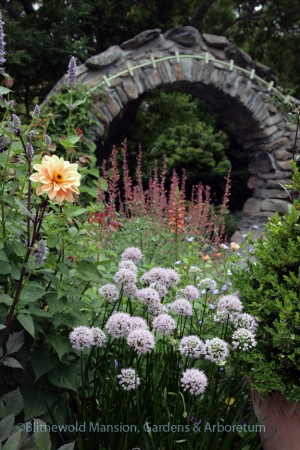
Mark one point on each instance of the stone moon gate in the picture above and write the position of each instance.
(238, 90)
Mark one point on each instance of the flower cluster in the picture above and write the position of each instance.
(125, 276)
(164, 277)
(41, 253)
(109, 292)
(228, 308)
(141, 340)
(85, 337)
(164, 323)
(182, 307)
(148, 296)
(133, 254)
(246, 321)
(129, 379)
(243, 339)
(216, 350)
(191, 293)
(191, 346)
(119, 325)
(208, 284)
(194, 381)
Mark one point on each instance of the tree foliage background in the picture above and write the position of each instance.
(42, 34)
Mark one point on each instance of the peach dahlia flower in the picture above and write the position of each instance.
(58, 178)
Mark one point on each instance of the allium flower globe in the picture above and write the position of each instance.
(246, 321)
(229, 306)
(243, 339)
(216, 350)
(208, 284)
(125, 276)
(128, 379)
(133, 254)
(182, 307)
(148, 296)
(81, 338)
(119, 325)
(127, 264)
(191, 346)
(164, 323)
(99, 337)
(194, 381)
(59, 179)
(190, 293)
(109, 292)
(137, 323)
(142, 341)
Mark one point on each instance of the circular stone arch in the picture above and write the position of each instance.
(237, 89)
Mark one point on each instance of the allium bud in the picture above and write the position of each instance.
(37, 111)
(47, 140)
(41, 253)
(71, 77)
(2, 45)
(29, 150)
(16, 122)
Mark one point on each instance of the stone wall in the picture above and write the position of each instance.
(238, 89)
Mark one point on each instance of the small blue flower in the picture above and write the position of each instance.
(224, 287)
(190, 239)
(216, 291)
(211, 306)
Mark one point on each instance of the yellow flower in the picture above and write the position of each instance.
(230, 401)
(234, 246)
(58, 178)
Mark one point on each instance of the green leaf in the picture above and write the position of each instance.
(39, 312)
(15, 342)
(4, 268)
(64, 376)
(6, 299)
(61, 344)
(4, 90)
(78, 102)
(6, 425)
(12, 362)
(14, 402)
(3, 256)
(62, 268)
(42, 361)
(87, 271)
(13, 443)
(32, 292)
(36, 402)
(67, 446)
(27, 322)
(42, 438)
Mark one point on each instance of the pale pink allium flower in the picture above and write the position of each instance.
(246, 321)
(228, 307)
(216, 350)
(130, 290)
(99, 337)
(165, 277)
(182, 307)
(81, 338)
(128, 264)
(190, 293)
(164, 323)
(110, 292)
(194, 381)
(137, 323)
(142, 341)
(208, 284)
(133, 254)
(191, 346)
(156, 309)
(125, 276)
(119, 325)
(59, 179)
(128, 379)
(243, 339)
(148, 296)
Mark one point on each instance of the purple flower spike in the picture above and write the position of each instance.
(71, 77)
(2, 44)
